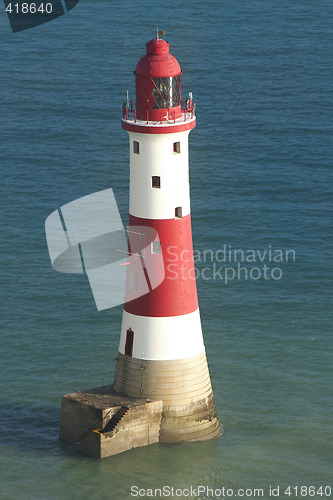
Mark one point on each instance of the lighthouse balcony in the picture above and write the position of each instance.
(168, 118)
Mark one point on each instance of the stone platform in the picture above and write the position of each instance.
(101, 422)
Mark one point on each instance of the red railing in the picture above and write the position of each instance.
(187, 113)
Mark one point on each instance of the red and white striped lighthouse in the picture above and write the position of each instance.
(161, 352)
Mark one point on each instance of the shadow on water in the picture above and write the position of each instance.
(32, 428)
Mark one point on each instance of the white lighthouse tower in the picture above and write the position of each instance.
(161, 352)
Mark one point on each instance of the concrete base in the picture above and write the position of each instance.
(184, 386)
(101, 422)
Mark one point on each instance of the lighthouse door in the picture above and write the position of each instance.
(129, 342)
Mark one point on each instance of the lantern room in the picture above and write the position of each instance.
(158, 83)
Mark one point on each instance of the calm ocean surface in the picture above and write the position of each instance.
(261, 179)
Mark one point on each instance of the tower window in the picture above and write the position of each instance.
(167, 92)
(156, 181)
(176, 147)
(129, 342)
(156, 247)
(178, 212)
(136, 147)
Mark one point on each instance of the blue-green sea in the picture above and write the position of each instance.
(261, 74)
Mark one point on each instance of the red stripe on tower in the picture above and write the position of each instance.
(177, 294)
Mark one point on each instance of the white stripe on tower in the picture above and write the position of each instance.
(156, 157)
(163, 338)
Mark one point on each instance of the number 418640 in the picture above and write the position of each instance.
(308, 491)
(31, 8)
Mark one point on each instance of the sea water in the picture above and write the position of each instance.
(261, 195)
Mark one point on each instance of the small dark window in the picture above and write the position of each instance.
(176, 147)
(129, 342)
(156, 181)
(156, 247)
(136, 147)
(178, 212)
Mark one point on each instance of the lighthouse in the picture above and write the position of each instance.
(162, 389)
(161, 351)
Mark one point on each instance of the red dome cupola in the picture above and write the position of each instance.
(158, 83)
